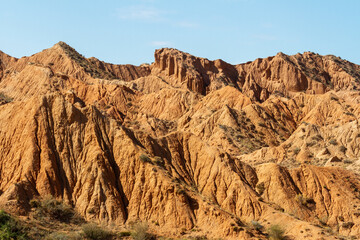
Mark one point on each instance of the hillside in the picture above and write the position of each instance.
(192, 147)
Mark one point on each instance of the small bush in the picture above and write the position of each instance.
(276, 233)
(159, 161)
(63, 236)
(4, 217)
(334, 98)
(93, 232)
(223, 127)
(348, 225)
(124, 234)
(5, 98)
(181, 191)
(323, 220)
(310, 144)
(342, 149)
(52, 208)
(144, 158)
(347, 161)
(317, 137)
(304, 200)
(333, 142)
(260, 188)
(256, 225)
(140, 231)
(296, 150)
(10, 228)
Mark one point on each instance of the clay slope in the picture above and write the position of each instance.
(193, 147)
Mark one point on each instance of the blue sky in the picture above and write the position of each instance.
(234, 30)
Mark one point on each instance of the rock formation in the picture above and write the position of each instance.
(193, 147)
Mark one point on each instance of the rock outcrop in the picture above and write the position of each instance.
(193, 147)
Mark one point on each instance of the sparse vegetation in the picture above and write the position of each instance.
(180, 191)
(256, 225)
(139, 231)
(144, 158)
(260, 188)
(276, 232)
(11, 228)
(223, 127)
(296, 150)
(63, 236)
(159, 161)
(310, 144)
(347, 161)
(317, 138)
(92, 231)
(53, 209)
(5, 98)
(125, 234)
(305, 201)
(88, 65)
(333, 142)
(348, 225)
(342, 149)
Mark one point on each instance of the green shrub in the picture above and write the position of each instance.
(124, 234)
(276, 233)
(144, 158)
(256, 225)
(342, 149)
(223, 127)
(317, 137)
(93, 232)
(10, 228)
(334, 98)
(260, 188)
(347, 161)
(159, 161)
(52, 208)
(4, 217)
(181, 191)
(139, 231)
(6, 98)
(323, 220)
(333, 142)
(348, 225)
(305, 201)
(63, 236)
(296, 150)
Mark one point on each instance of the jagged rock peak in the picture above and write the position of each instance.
(197, 74)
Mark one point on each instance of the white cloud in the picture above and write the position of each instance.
(140, 12)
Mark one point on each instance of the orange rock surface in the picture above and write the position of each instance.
(193, 147)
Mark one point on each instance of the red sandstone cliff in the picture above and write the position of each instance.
(186, 143)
